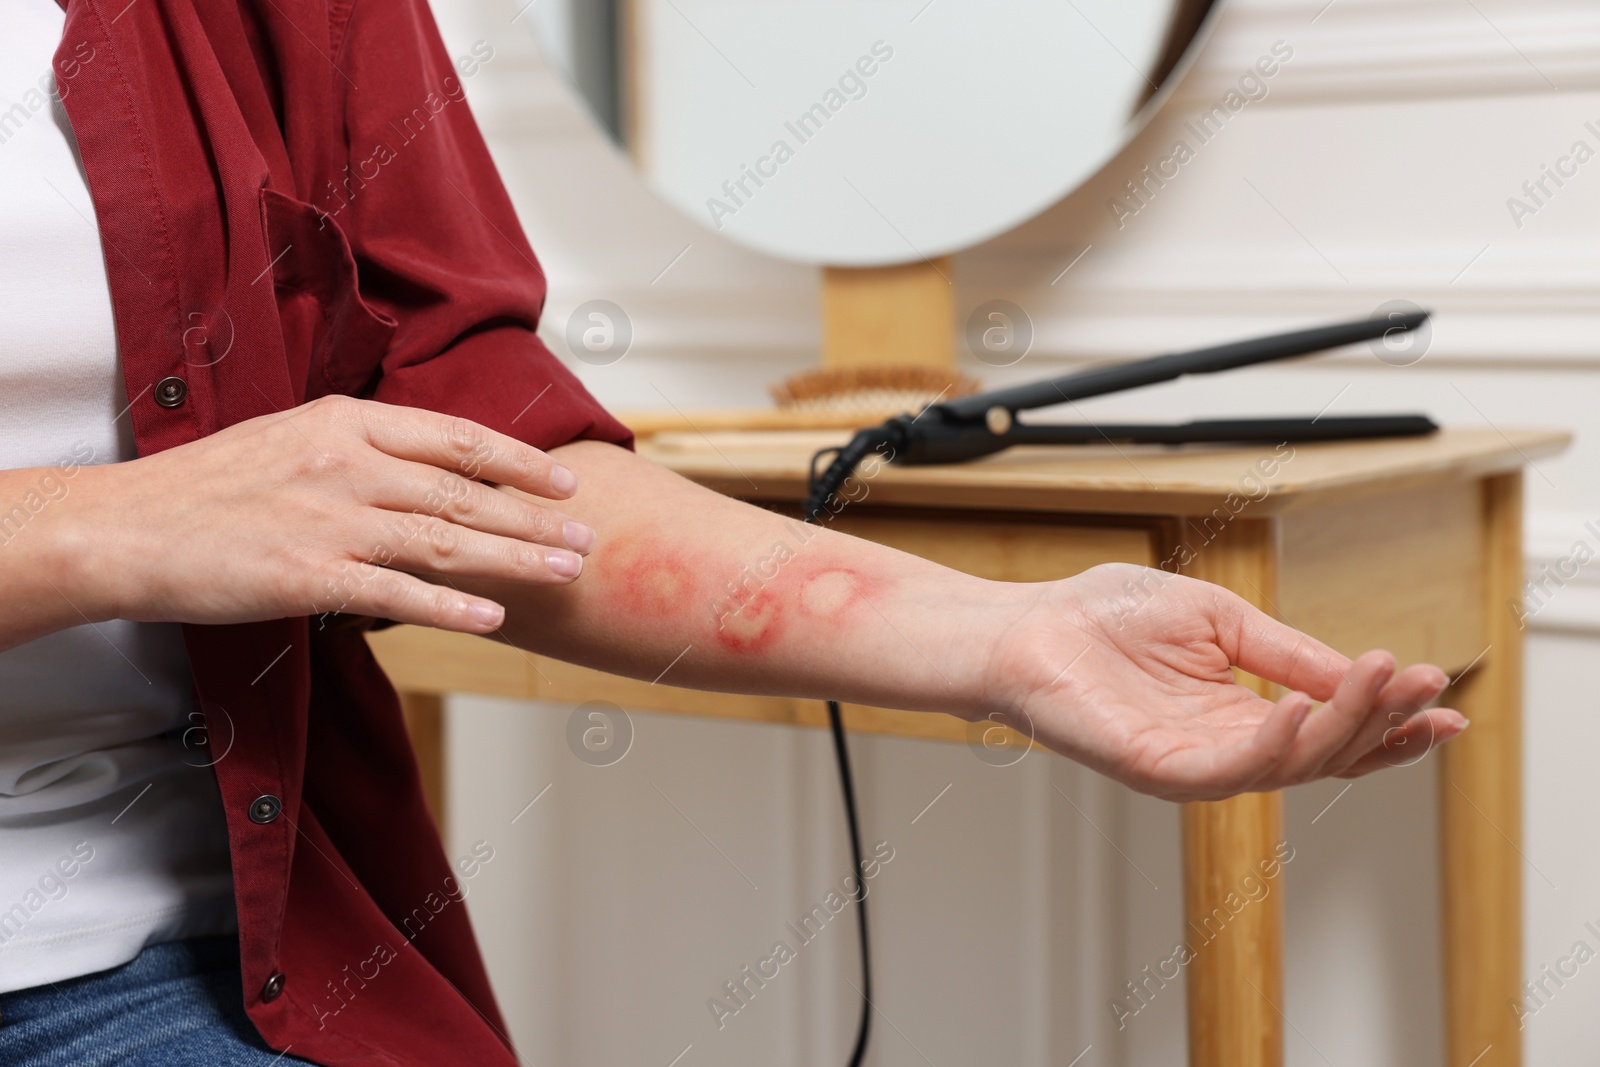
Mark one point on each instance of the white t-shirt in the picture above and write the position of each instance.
(111, 829)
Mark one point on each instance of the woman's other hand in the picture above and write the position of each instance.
(334, 506)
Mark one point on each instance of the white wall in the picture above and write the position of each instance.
(1378, 167)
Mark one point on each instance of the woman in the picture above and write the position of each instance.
(279, 269)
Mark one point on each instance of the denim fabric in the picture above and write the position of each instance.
(178, 1004)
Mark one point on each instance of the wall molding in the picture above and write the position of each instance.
(700, 322)
(716, 324)
(1499, 321)
(1389, 50)
(1565, 594)
(1355, 50)
(1358, 51)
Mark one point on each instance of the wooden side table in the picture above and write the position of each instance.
(1412, 545)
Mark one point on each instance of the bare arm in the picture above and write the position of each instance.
(740, 599)
(708, 592)
(34, 557)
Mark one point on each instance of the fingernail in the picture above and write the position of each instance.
(486, 613)
(579, 536)
(563, 480)
(566, 564)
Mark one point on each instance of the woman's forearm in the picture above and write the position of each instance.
(36, 558)
(693, 589)
(708, 592)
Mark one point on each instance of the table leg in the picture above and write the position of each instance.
(424, 714)
(1236, 977)
(1235, 981)
(1480, 807)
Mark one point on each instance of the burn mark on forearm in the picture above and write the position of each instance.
(747, 614)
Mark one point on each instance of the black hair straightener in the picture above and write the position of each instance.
(975, 426)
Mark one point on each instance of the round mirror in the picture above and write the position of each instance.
(868, 132)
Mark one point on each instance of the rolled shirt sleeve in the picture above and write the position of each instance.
(438, 245)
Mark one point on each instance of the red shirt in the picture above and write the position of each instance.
(293, 200)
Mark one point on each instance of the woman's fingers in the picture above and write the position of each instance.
(427, 511)
(1396, 704)
(1360, 727)
(1330, 727)
(1408, 743)
(460, 446)
(414, 488)
(1372, 722)
(431, 545)
(388, 594)
(1267, 648)
(1204, 773)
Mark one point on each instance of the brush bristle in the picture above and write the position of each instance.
(871, 388)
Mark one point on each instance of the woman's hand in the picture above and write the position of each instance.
(325, 508)
(1129, 670)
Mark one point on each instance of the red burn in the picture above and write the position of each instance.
(752, 625)
(649, 585)
(751, 610)
(829, 592)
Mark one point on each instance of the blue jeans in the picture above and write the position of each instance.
(176, 1005)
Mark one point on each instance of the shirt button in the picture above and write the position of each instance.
(272, 987)
(171, 391)
(265, 808)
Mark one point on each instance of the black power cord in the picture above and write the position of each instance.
(841, 751)
(847, 785)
